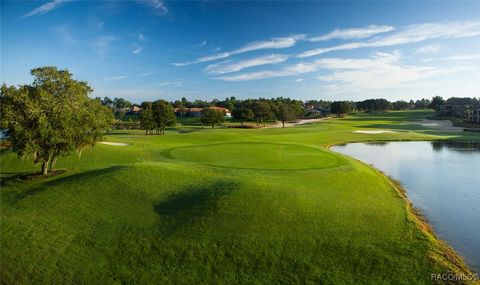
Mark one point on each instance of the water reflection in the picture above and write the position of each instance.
(458, 146)
(377, 143)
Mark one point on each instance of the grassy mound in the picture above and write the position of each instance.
(254, 155)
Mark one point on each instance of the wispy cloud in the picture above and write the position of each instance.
(115, 78)
(137, 50)
(460, 57)
(102, 44)
(382, 71)
(294, 69)
(47, 7)
(202, 44)
(158, 5)
(354, 33)
(273, 43)
(63, 32)
(234, 66)
(379, 71)
(176, 83)
(409, 34)
(426, 49)
(299, 80)
(146, 73)
(141, 37)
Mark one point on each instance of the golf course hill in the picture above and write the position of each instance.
(222, 206)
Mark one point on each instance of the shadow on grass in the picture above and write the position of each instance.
(125, 132)
(70, 178)
(8, 177)
(194, 203)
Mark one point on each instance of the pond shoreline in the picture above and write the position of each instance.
(442, 253)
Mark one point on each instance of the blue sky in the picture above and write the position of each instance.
(149, 49)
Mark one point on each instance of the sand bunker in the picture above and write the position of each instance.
(115, 143)
(373, 132)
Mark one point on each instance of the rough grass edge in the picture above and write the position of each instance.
(440, 253)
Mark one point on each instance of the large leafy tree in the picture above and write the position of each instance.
(262, 111)
(52, 117)
(436, 102)
(212, 117)
(285, 113)
(340, 108)
(146, 118)
(163, 115)
(242, 114)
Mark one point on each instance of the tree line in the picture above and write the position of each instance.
(282, 109)
(156, 116)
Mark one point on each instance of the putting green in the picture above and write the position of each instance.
(253, 155)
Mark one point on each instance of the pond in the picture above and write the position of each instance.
(442, 179)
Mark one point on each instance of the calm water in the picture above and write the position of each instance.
(441, 178)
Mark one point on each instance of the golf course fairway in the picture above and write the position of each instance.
(221, 206)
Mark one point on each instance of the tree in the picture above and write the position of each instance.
(400, 105)
(163, 115)
(262, 111)
(340, 108)
(52, 117)
(285, 113)
(242, 114)
(212, 117)
(146, 118)
(422, 104)
(120, 103)
(436, 102)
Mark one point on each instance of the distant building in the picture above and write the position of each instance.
(134, 110)
(225, 111)
(455, 107)
(194, 112)
(318, 111)
(197, 112)
(472, 114)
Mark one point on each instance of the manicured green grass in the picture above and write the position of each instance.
(227, 206)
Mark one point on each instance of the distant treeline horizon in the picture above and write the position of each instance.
(230, 103)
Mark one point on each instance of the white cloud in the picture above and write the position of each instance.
(234, 66)
(299, 80)
(379, 59)
(157, 5)
(146, 74)
(433, 48)
(410, 34)
(294, 69)
(64, 34)
(141, 37)
(102, 44)
(382, 71)
(378, 71)
(137, 50)
(115, 78)
(47, 7)
(354, 33)
(273, 43)
(176, 83)
(459, 57)
(202, 44)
